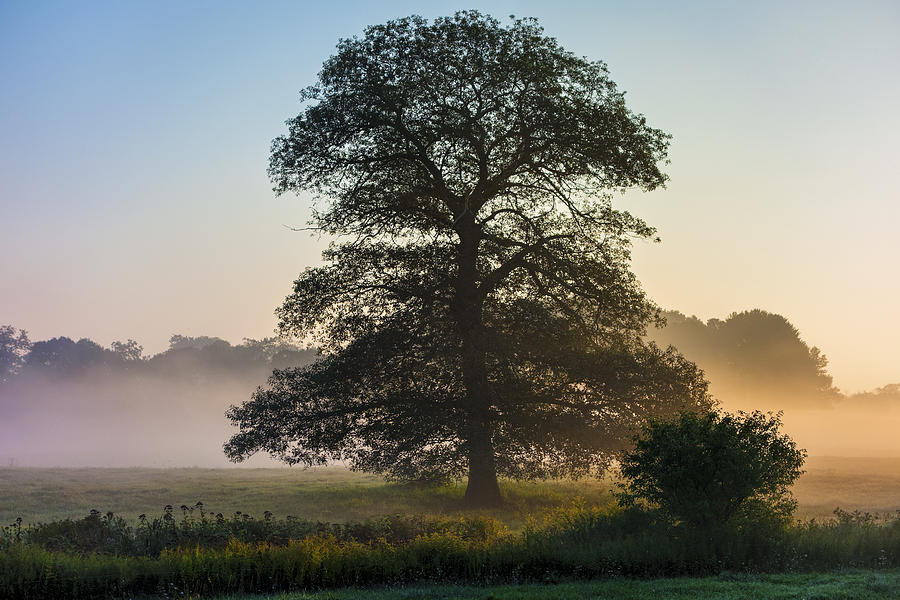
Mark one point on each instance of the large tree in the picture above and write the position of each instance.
(476, 314)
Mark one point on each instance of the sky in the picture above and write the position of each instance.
(134, 140)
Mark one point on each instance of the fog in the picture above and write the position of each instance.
(121, 421)
(115, 421)
(77, 404)
(73, 404)
(852, 427)
(756, 360)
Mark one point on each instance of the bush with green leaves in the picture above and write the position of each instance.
(710, 469)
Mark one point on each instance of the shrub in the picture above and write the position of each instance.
(111, 534)
(708, 470)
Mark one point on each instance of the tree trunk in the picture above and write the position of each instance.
(482, 489)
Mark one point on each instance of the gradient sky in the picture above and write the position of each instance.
(134, 140)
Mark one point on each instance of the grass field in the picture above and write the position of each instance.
(336, 494)
(327, 494)
(562, 547)
(854, 585)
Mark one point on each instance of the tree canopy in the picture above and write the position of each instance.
(753, 359)
(14, 345)
(476, 312)
(203, 357)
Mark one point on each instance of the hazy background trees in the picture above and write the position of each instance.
(758, 360)
(752, 358)
(14, 344)
(70, 403)
(78, 403)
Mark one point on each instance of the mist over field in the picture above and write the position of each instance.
(77, 404)
(119, 421)
(81, 405)
(757, 360)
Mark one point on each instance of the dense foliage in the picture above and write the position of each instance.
(14, 345)
(708, 469)
(579, 542)
(477, 311)
(195, 527)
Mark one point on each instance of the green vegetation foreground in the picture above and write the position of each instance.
(204, 554)
(701, 495)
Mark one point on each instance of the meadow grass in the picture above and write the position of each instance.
(337, 494)
(104, 557)
(332, 494)
(848, 585)
(556, 531)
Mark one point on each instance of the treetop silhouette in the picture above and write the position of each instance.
(476, 312)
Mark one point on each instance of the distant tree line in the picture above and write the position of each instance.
(751, 357)
(757, 359)
(61, 357)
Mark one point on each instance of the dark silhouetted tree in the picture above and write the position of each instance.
(477, 314)
(14, 345)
